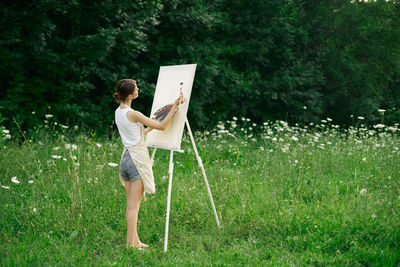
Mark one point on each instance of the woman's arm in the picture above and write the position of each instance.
(136, 116)
(147, 130)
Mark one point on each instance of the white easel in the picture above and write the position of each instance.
(170, 172)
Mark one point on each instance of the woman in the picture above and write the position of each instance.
(135, 168)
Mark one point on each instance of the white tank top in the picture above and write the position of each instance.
(129, 131)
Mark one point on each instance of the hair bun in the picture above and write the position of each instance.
(117, 97)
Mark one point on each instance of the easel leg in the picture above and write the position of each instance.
(171, 170)
(152, 156)
(199, 161)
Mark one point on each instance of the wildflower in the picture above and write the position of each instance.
(274, 139)
(261, 148)
(364, 159)
(5, 187)
(337, 251)
(328, 119)
(30, 181)
(324, 121)
(56, 156)
(304, 107)
(363, 191)
(235, 119)
(296, 161)
(8, 136)
(329, 143)
(294, 138)
(373, 216)
(63, 126)
(361, 118)
(379, 126)
(315, 226)
(381, 111)
(112, 164)
(48, 116)
(74, 147)
(98, 145)
(34, 209)
(67, 146)
(6, 131)
(33, 112)
(56, 148)
(14, 180)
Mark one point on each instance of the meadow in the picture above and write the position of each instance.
(285, 196)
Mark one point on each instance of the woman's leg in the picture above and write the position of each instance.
(134, 192)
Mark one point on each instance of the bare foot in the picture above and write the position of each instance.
(143, 245)
(139, 246)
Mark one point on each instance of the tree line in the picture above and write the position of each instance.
(299, 61)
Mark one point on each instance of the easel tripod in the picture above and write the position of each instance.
(170, 172)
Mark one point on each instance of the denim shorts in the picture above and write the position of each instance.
(128, 169)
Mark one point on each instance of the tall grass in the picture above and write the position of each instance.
(318, 195)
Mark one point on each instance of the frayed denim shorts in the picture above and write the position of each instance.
(128, 170)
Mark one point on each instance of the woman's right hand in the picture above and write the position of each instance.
(180, 100)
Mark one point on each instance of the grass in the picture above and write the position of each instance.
(284, 196)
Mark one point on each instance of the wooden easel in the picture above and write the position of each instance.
(170, 172)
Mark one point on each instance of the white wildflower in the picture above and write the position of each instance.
(56, 148)
(261, 148)
(74, 147)
(304, 107)
(56, 156)
(294, 138)
(34, 209)
(67, 146)
(381, 111)
(379, 126)
(8, 136)
(364, 159)
(361, 118)
(14, 180)
(5, 187)
(363, 191)
(30, 181)
(6, 131)
(328, 119)
(98, 145)
(63, 126)
(33, 112)
(48, 116)
(112, 164)
(235, 119)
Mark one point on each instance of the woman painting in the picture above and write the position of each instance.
(135, 167)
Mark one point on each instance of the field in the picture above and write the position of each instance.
(317, 195)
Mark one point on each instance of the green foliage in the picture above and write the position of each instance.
(294, 60)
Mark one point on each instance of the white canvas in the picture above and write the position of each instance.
(167, 91)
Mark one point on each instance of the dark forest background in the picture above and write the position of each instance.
(299, 61)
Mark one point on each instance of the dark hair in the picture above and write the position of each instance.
(124, 88)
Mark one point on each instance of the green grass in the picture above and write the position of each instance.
(284, 202)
